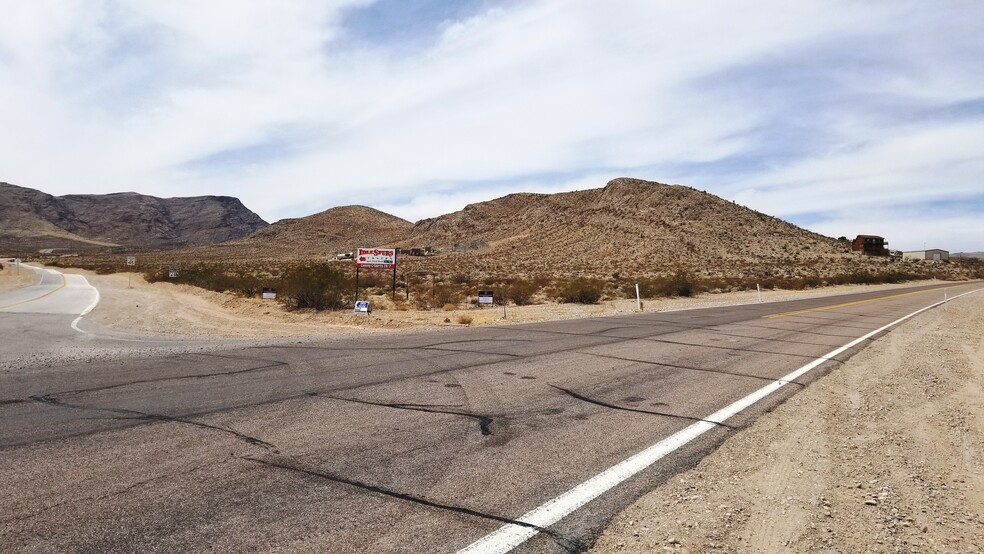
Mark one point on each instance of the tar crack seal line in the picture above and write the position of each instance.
(144, 416)
(570, 544)
(484, 421)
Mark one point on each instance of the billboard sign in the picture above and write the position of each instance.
(375, 258)
(485, 297)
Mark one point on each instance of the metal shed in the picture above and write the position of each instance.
(933, 254)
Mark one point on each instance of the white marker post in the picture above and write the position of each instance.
(759, 289)
(130, 262)
(17, 265)
(638, 300)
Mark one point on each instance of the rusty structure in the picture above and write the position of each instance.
(870, 245)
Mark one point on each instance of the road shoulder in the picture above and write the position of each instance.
(885, 454)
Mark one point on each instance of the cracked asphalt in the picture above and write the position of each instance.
(412, 442)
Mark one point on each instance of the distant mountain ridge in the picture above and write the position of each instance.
(31, 219)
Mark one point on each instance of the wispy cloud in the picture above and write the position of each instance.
(827, 113)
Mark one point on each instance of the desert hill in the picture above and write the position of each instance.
(630, 225)
(332, 231)
(32, 220)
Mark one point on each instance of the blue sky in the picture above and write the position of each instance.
(844, 117)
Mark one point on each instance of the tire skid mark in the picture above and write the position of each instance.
(604, 404)
(731, 348)
(689, 368)
(569, 544)
(112, 494)
(164, 379)
(484, 421)
(144, 416)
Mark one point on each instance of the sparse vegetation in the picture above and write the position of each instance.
(521, 292)
(319, 286)
(580, 291)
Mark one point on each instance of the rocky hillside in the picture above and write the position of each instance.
(630, 225)
(32, 220)
(321, 235)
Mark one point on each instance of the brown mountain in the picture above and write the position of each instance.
(327, 233)
(31, 220)
(630, 225)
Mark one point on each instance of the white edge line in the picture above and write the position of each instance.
(75, 324)
(510, 536)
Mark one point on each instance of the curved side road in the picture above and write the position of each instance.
(55, 294)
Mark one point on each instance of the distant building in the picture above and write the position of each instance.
(870, 245)
(933, 254)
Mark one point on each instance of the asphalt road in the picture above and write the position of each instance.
(416, 442)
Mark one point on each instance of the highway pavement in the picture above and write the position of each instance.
(433, 441)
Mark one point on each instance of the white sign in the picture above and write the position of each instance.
(269, 294)
(362, 307)
(17, 261)
(131, 260)
(173, 272)
(375, 258)
(485, 297)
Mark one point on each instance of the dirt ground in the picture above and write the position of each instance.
(12, 278)
(885, 454)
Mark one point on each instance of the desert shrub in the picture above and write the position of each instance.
(215, 277)
(579, 291)
(521, 292)
(319, 286)
(375, 279)
(445, 294)
(450, 307)
(465, 319)
(681, 283)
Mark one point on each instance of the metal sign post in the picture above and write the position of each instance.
(17, 265)
(130, 262)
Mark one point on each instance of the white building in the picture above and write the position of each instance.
(933, 254)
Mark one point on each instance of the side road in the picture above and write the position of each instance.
(885, 454)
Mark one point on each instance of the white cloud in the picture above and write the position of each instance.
(791, 107)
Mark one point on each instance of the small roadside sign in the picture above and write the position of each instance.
(269, 294)
(485, 297)
(173, 272)
(362, 307)
(131, 260)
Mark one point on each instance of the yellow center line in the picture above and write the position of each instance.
(49, 293)
(845, 304)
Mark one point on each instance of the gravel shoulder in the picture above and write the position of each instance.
(884, 454)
